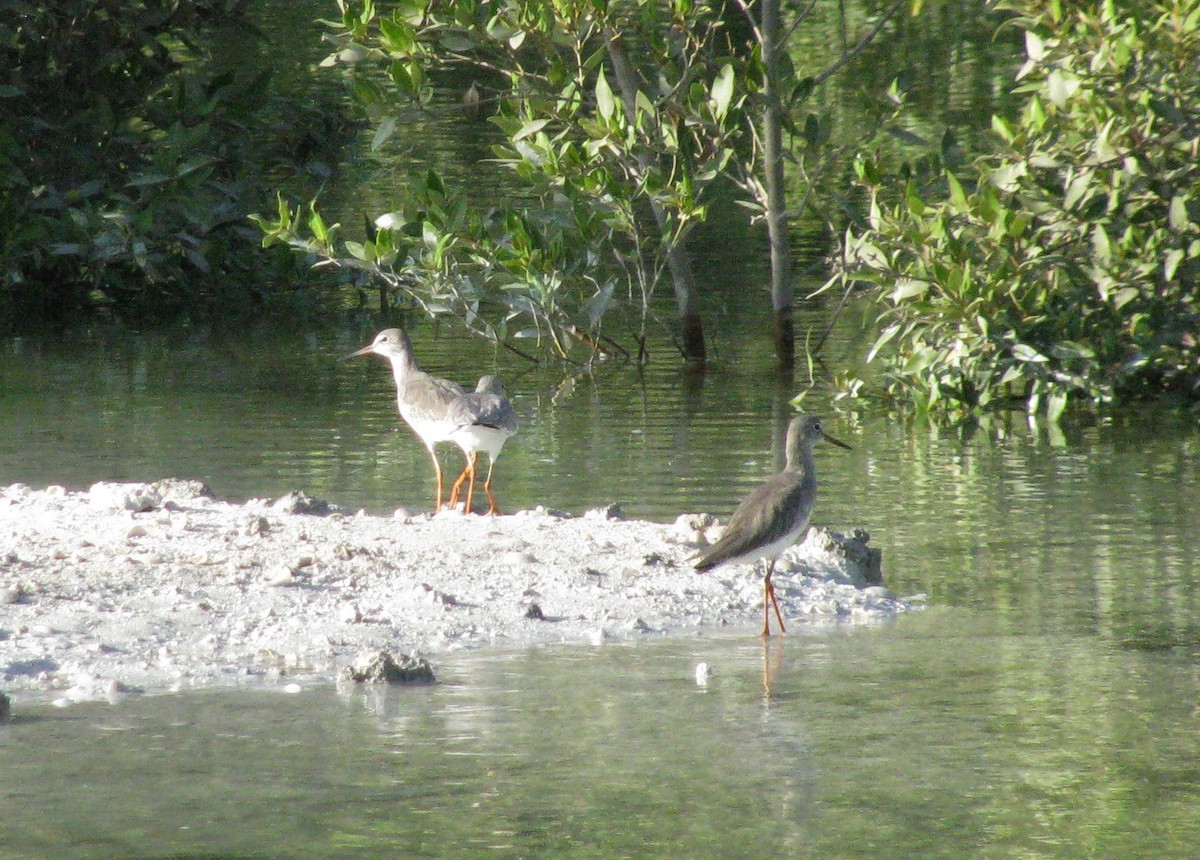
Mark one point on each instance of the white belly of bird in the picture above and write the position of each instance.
(775, 548)
(479, 438)
(430, 430)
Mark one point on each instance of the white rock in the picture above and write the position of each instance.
(281, 576)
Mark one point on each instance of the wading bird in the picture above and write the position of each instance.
(423, 398)
(480, 421)
(774, 516)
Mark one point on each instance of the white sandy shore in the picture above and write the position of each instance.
(159, 586)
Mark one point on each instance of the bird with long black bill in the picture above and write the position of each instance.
(775, 515)
(424, 399)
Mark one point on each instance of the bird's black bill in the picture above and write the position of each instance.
(837, 442)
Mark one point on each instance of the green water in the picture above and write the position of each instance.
(1044, 706)
(940, 735)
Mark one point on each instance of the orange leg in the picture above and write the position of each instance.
(769, 601)
(487, 486)
(471, 483)
(437, 470)
(454, 491)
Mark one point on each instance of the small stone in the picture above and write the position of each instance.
(299, 502)
(534, 612)
(281, 576)
(10, 594)
(640, 625)
(381, 668)
(5, 707)
(138, 498)
(255, 525)
(516, 558)
(181, 490)
(703, 673)
(610, 511)
(350, 614)
(691, 528)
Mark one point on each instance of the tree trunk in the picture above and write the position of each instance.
(679, 263)
(782, 290)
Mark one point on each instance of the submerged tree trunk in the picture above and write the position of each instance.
(782, 289)
(679, 263)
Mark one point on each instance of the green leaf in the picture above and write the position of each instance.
(1035, 48)
(1101, 246)
(958, 197)
(1055, 404)
(386, 129)
(398, 36)
(1060, 86)
(868, 256)
(605, 103)
(886, 335)
(644, 105)
(1124, 296)
(316, 225)
(907, 288)
(148, 179)
(905, 136)
(1171, 263)
(1076, 189)
(1177, 217)
(1003, 128)
(1007, 177)
(530, 129)
(722, 91)
(1025, 352)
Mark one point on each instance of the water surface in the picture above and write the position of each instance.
(940, 735)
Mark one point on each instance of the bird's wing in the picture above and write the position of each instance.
(429, 397)
(487, 410)
(496, 411)
(761, 519)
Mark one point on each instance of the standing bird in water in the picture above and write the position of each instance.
(480, 421)
(423, 398)
(774, 516)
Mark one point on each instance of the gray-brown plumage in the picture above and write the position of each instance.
(480, 421)
(775, 515)
(423, 398)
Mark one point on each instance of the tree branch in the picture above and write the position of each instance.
(867, 38)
